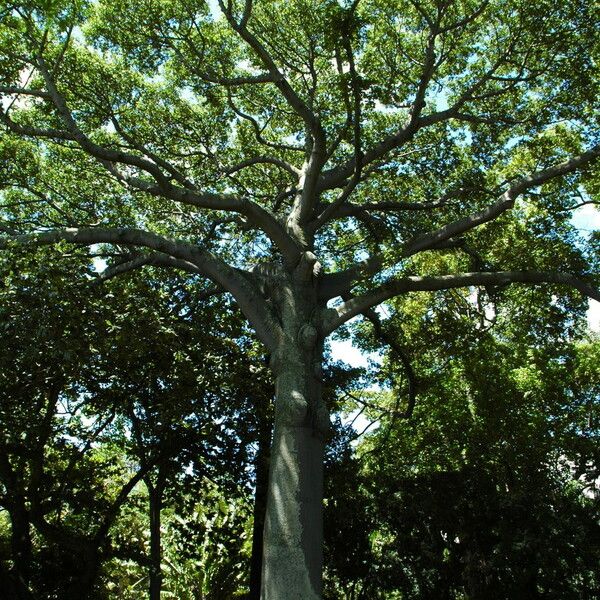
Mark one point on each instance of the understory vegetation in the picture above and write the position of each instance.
(114, 395)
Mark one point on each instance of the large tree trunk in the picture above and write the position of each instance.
(293, 537)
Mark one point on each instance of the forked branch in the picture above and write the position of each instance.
(396, 287)
(161, 172)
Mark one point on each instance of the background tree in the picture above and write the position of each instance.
(47, 352)
(292, 154)
(489, 490)
(106, 387)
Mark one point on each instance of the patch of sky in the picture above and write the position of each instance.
(391, 271)
(385, 108)
(109, 127)
(513, 141)
(77, 34)
(98, 263)
(586, 219)
(462, 136)
(438, 101)
(593, 316)
(247, 66)
(439, 98)
(345, 351)
(187, 93)
(293, 139)
(213, 7)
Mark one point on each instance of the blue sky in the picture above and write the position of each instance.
(586, 218)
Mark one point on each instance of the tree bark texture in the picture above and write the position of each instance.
(293, 536)
(20, 544)
(83, 583)
(15, 582)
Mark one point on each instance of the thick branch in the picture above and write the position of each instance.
(100, 152)
(355, 118)
(302, 209)
(360, 304)
(258, 216)
(157, 260)
(237, 283)
(27, 130)
(18, 91)
(174, 172)
(340, 283)
(506, 202)
(353, 210)
(235, 81)
(147, 260)
(292, 98)
(334, 177)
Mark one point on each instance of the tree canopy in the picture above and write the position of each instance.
(312, 160)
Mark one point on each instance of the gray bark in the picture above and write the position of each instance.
(293, 537)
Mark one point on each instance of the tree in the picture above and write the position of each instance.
(482, 493)
(47, 363)
(293, 154)
(103, 388)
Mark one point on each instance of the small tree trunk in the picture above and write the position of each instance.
(293, 538)
(82, 585)
(20, 545)
(155, 500)
(20, 531)
(265, 430)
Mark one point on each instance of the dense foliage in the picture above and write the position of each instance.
(110, 395)
(265, 171)
(490, 489)
(485, 492)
